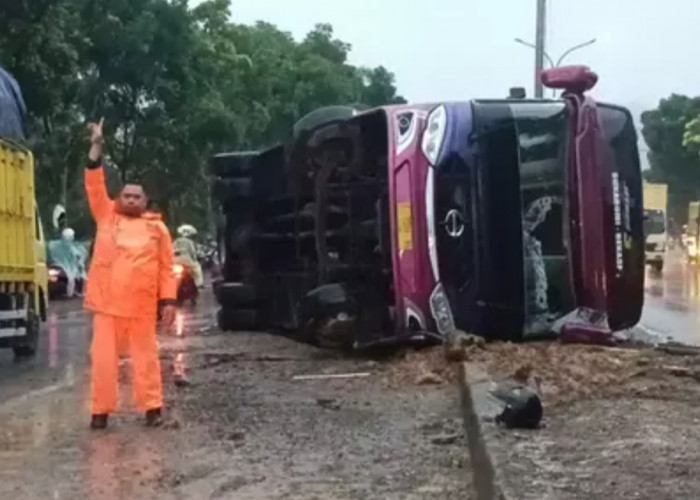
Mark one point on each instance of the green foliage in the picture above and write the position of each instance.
(670, 132)
(691, 136)
(174, 83)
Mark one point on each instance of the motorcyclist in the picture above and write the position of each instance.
(65, 253)
(185, 250)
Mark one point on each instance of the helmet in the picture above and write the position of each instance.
(186, 230)
(68, 234)
(523, 406)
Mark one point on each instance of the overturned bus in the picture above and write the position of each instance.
(504, 218)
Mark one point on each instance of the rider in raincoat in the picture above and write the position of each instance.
(185, 251)
(70, 256)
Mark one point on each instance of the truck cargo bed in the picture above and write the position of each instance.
(17, 214)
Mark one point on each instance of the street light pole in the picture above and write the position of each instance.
(540, 46)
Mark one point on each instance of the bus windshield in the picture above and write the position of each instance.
(530, 140)
(542, 132)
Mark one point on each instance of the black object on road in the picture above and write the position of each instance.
(523, 408)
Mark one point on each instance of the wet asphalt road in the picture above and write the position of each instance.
(671, 312)
(672, 301)
(241, 427)
(61, 357)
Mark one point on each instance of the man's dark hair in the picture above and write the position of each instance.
(135, 180)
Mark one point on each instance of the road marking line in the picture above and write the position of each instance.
(68, 381)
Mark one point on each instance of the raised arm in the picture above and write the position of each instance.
(95, 187)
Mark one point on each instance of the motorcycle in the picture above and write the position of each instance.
(206, 253)
(58, 283)
(186, 287)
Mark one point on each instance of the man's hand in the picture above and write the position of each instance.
(168, 315)
(96, 139)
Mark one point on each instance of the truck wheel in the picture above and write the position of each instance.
(237, 319)
(28, 345)
(236, 294)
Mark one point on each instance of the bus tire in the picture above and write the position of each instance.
(237, 319)
(236, 294)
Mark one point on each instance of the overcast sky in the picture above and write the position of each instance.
(460, 49)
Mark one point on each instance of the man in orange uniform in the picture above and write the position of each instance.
(131, 271)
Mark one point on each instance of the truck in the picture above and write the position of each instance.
(23, 269)
(504, 218)
(655, 223)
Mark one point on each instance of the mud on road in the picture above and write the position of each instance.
(240, 427)
(619, 423)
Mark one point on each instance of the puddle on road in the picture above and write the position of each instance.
(32, 424)
(119, 465)
(51, 432)
(179, 366)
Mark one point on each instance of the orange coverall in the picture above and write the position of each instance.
(131, 270)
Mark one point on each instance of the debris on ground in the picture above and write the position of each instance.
(570, 372)
(321, 376)
(181, 382)
(429, 378)
(445, 439)
(328, 403)
(417, 367)
(679, 349)
(236, 436)
(460, 345)
(172, 424)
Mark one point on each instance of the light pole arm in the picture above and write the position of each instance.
(575, 47)
(532, 46)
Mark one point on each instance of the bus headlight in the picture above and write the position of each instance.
(434, 134)
(441, 310)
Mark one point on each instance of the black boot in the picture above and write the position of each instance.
(99, 421)
(154, 417)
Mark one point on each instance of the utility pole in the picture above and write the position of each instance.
(539, 46)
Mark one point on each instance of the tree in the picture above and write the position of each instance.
(691, 135)
(41, 46)
(378, 87)
(175, 85)
(670, 160)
